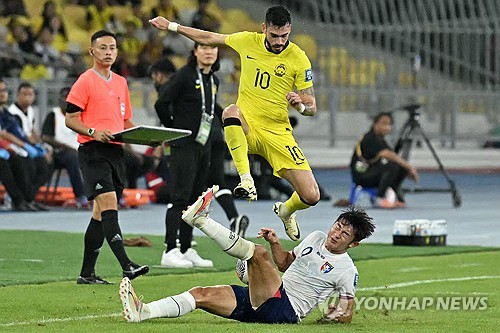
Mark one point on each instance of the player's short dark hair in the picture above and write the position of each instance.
(383, 114)
(101, 33)
(360, 221)
(278, 16)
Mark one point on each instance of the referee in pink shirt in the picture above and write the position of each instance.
(99, 105)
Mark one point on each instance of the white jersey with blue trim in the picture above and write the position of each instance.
(316, 274)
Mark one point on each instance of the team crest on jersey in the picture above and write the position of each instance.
(280, 70)
(309, 75)
(326, 267)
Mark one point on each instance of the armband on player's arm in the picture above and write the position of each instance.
(72, 108)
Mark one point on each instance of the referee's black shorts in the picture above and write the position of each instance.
(103, 168)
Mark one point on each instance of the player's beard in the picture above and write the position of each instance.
(269, 47)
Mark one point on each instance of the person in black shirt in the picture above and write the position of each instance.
(375, 164)
(188, 101)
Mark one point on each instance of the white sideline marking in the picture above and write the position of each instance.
(26, 260)
(414, 283)
(58, 320)
(390, 286)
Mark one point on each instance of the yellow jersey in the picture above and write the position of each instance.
(267, 77)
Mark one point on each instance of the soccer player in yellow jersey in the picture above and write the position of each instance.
(275, 73)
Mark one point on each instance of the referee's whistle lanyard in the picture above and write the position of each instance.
(206, 118)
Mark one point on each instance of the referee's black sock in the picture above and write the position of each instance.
(94, 238)
(114, 235)
(225, 199)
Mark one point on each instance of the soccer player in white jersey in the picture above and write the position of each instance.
(318, 268)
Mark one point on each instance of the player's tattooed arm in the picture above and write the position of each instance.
(308, 100)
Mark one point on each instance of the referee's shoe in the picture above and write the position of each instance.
(133, 270)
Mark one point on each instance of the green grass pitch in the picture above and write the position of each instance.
(39, 293)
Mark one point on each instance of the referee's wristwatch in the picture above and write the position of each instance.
(91, 131)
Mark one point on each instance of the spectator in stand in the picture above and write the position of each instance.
(23, 110)
(22, 166)
(138, 12)
(23, 38)
(10, 64)
(50, 18)
(176, 44)
(151, 53)
(65, 154)
(56, 62)
(100, 16)
(166, 9)
(204, 20)
(13, 7)
(130, 45)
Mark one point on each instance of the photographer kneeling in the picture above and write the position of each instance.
(375, 164)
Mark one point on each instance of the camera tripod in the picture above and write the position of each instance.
(404, 145)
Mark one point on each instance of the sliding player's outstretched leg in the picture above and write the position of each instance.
(197, 215)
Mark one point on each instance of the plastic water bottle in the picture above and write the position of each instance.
(18, 150)
(7, 202)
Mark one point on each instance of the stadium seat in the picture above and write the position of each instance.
(121, 12)
(34, 8)
(48, 190)
(227, 27)
(74, 16)
(178, 60)
(357, 191)
(308, 44)
(241, 20)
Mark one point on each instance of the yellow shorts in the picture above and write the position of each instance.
(279, 149)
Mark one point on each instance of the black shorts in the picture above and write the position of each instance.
(103, 168)
(276, 310)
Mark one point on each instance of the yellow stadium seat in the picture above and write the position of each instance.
(178, 60)
(227, 27)
(241, 20)
(34, 8)
(121, 12)
(74, 15)
(308, 44)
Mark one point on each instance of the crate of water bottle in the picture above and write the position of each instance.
(419, 227)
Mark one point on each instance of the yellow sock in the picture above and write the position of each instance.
(238, 147)
(294, 203)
